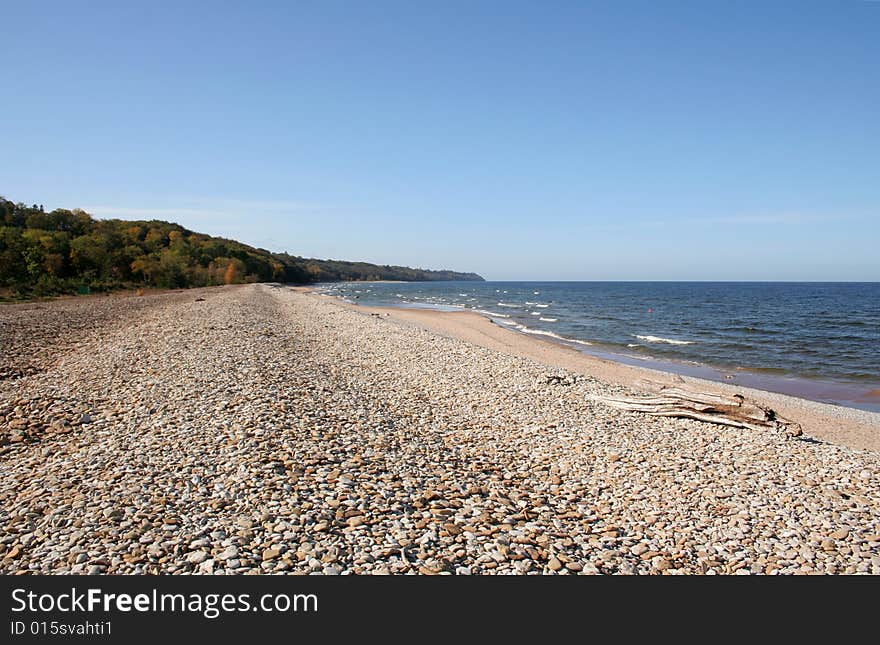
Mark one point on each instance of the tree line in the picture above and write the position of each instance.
(65, 251)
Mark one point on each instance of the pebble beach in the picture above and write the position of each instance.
(258, 429)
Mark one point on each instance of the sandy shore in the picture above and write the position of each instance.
(257, 429)
(845, 426)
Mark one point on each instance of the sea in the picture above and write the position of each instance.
(820, 341)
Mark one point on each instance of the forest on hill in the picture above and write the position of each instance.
(69, 251)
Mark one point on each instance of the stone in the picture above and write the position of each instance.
(196, 557)
(661, 564)
(257, 430)
(231, 552)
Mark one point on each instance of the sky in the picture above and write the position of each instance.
(538, 140)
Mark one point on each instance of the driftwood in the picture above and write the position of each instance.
(725, 410)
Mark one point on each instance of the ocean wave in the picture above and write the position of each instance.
(549, 319)
(534, 313)
(541, 332)
(542, 306)
(633, 345)
(491, 313)
(505, 304)
(659, 339)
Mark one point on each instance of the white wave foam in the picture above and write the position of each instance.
(542, 306)
(658, 339)
(633, 345)
(541, 332)
(504, 304)
(491, 313)
(534, 313)
(549, 319)
(529, 303)
(536, 293)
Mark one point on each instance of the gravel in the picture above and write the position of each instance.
(263, 430)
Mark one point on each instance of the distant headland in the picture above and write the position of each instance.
(65, 251)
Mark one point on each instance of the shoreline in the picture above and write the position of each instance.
(830, 391)
(254, 429)
(842, 425)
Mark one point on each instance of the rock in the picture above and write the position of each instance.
(639, 549)
(661, 563)
(274, 431)
(196, 557)
(427, 537)
(231, 552)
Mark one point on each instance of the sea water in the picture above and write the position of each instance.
(818, 340)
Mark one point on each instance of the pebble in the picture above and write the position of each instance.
(268, 431)
(197, 557)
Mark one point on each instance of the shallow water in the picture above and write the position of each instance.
(819, 340)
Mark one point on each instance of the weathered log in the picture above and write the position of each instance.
(729, 410)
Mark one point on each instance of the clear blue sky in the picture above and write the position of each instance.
(540, 140)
